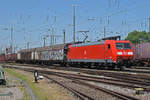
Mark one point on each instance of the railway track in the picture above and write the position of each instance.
(115, 82)
(141, 67)
(78, 79)
(118, 79)
(84, 96)
(79, 95)
(84, 70)
(116, 94)
(92, 71)
(139, 70)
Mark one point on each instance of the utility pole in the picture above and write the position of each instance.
(11, 39)
(44, 38)
(149, 24)
(104, 31)
(52, 37)
(28, 45)
(15, 48)
(74, 22)
(64, 32)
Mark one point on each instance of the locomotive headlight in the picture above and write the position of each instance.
(130, 53)
(119, 53)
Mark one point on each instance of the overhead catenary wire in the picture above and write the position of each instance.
(43, 30)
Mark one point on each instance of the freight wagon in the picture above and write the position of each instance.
(8, 57)
(42, 55)
(11, 57)
(2, 58)
(142, 54)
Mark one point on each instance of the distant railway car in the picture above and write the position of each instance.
(142, 54)
(2, 58)
(25, 56)
(8, 57)
(115, 52)
(11, 57)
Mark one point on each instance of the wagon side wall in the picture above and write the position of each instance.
(142, 51)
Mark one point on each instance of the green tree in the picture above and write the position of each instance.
(138, 37)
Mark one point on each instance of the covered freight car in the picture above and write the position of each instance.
(2, 58)
(24, 56)
(42, 55)
(12, 57)
(142, 54)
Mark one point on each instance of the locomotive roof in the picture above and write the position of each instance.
(89, 43)
(97, 42)
(58, 46)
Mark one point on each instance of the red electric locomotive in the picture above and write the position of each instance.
(107, 52)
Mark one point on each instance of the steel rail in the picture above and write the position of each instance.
(77, 93)
(119, 95)
(86, 78)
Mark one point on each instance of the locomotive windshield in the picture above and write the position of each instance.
(123, 46)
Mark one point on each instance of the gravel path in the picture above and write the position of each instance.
(12, 91)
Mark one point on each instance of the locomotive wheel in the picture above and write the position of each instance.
(63, 64)
(111, 68)
(128, 65)
(122, 68)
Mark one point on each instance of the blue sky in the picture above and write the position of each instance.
(31, 19)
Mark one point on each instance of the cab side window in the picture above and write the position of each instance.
(109, 47)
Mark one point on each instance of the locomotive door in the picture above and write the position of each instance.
(108, 54)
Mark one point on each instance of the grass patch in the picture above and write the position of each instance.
(26, 96)
(35, 88)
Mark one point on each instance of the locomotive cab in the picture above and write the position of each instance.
(119, 51)
(124, 53)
